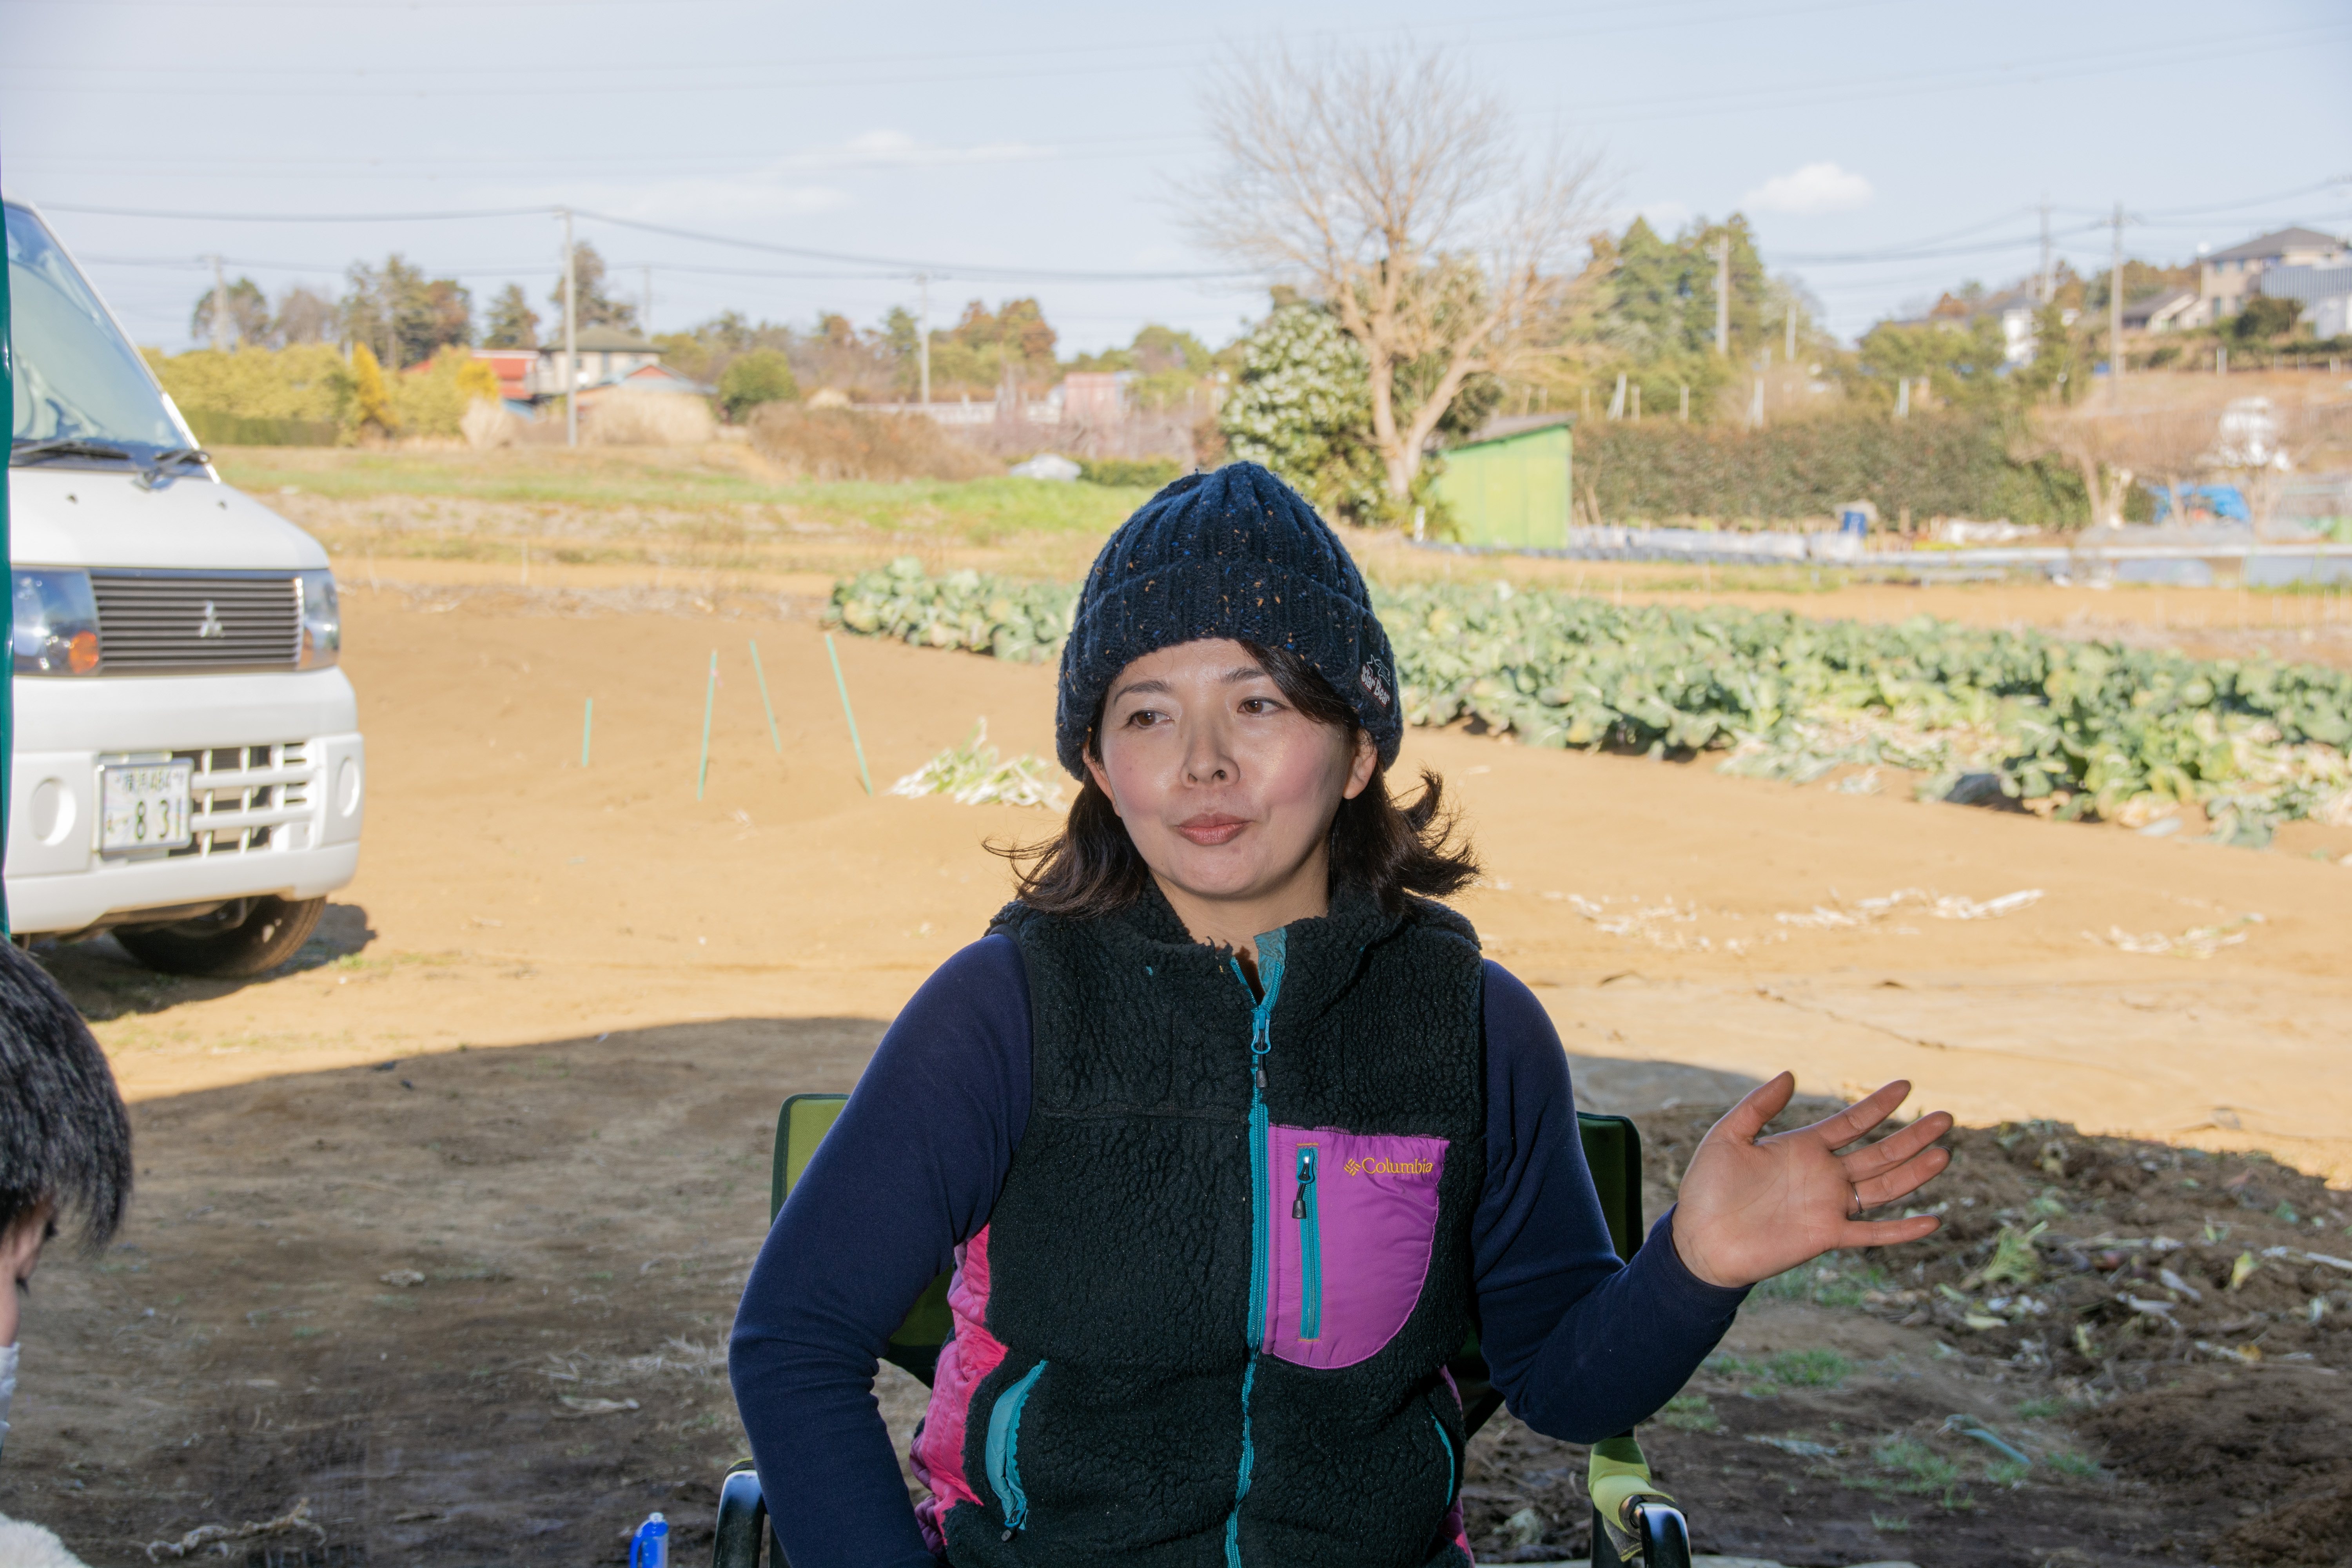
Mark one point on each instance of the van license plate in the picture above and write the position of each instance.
(143, 806)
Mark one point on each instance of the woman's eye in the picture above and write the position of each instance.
(1260, 705)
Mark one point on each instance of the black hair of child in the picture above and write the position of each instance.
(65, 1135)
(1091, 868)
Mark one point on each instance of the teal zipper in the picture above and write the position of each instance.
(1446, 1443)
(1269, 972)
(1003, 1452)
(1308, 1213)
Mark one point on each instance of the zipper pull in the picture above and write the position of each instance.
(1305, 1180)
(1257, 1076)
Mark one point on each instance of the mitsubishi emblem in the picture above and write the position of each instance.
(210, 626)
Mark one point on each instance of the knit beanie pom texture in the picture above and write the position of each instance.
(1234, 554)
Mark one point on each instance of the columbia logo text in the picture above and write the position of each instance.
(1360, 1167)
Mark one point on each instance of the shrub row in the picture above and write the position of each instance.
(1945, 464)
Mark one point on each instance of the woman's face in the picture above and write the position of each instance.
(1227, 790)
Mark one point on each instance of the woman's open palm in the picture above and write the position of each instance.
(1754, 1207)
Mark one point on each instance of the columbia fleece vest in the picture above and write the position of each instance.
(1206, 1325)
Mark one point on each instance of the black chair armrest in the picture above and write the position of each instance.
(743, 1519)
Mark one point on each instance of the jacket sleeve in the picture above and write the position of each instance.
(1581, 1345)
(908, 1173)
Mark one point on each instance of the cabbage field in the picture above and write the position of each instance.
(2087, 729)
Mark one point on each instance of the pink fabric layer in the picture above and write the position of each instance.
(970, 1356)
(1376, 1199)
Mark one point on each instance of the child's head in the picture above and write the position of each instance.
(1229, 701)
(65, 1137)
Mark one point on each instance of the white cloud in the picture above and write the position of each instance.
(1809, 192)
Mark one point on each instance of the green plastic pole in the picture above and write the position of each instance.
(709, 697)
(843, 686)
(772, 733)
(587, 723)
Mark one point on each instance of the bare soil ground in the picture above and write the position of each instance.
(422, 1214)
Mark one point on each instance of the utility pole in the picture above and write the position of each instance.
(923, 332)
(2116, 313)
(220, 310)
(645, 323)
(570, 339)
(1723, 296)
(2049, 279)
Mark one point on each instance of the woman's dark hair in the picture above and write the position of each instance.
(1091, 866)
(64, 1136)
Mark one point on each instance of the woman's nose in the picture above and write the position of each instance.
(1206, 758)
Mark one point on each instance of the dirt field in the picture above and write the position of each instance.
(441, 1227)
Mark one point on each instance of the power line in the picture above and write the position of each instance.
(974, 272)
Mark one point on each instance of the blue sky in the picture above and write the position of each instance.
(1884, 149)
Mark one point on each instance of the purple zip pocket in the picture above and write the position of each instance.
(1350, 1249)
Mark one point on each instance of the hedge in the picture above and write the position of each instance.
(1933, 465)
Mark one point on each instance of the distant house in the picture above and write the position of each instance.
(608, 357)
(2167, 310)
(515, 369)
(606, 354)
(2228, 279)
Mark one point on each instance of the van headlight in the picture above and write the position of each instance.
(323, 619)
(56, 621)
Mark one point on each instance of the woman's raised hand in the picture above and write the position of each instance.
(1753, 1206)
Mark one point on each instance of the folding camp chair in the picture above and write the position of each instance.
(1632, 1519)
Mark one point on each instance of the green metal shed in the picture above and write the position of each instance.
(1512, 490)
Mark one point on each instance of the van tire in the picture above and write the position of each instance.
(272, 931)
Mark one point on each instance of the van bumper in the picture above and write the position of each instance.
(280, 792)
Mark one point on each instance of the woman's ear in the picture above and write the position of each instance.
(1102, 779)
(1362, 766)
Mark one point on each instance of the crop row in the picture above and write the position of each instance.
(2119, 732)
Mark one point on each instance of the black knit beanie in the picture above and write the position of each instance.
(1235, 553)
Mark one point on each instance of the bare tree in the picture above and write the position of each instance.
(1389, 186)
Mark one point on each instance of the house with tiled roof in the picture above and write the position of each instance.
(2228, 279)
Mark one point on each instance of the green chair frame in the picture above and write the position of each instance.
(1632, 1519)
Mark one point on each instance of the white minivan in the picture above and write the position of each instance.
(188, 772)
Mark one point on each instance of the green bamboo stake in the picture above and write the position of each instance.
(863, 776)
(710, 698)
(587, 723)
(771, 706)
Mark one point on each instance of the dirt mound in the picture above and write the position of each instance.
(827, 444)
(2098, 1258)
(2189, 1313)
(2319, 1530)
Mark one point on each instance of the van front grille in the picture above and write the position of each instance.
(156, 621)
(244, 798)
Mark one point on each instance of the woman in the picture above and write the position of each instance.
(1233, 1138)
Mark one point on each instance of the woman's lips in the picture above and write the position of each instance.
(1211, 828)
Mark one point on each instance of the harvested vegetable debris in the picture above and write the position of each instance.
(2094, 729)
(974, 775)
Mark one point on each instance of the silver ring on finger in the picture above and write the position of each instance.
(1855, 1213)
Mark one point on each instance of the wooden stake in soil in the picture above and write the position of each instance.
(709, 700)
(587, 724)
(843, 686)
(771, 706)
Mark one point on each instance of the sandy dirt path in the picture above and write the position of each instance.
(508, 895)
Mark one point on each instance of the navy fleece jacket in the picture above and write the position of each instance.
(1581, 1345)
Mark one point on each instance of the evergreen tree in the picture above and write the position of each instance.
(511, 323)
(596, 308)
(1303, 406)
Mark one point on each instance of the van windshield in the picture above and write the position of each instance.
(81, 390)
